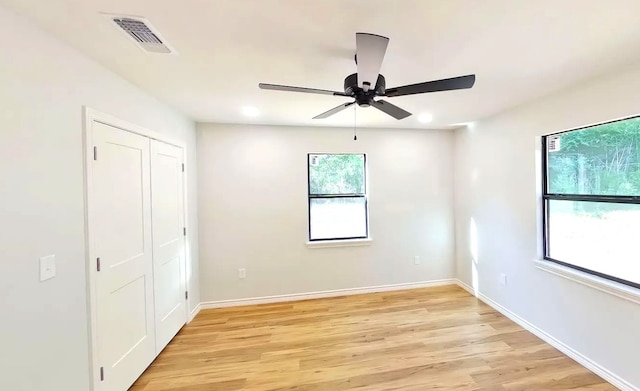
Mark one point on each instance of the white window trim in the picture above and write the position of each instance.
(339, 243)
(602, 284)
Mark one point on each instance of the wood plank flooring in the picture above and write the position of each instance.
(424, 339)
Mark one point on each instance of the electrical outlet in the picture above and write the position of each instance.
(503, 279)
(47, 267)
(242, 273)
(416, 260)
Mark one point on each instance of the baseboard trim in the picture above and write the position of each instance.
(586, 362)
(466, 287)
(194, 312)
(324, 294)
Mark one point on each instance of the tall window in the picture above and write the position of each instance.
(337, 196)
(591, 194)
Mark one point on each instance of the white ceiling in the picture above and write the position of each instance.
(519, 50)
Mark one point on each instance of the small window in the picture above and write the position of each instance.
(337, 196)
(591, 200)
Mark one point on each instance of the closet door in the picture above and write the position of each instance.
(120, 225)
(167, 187)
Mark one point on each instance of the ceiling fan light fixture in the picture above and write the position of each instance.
(425, 118)
(367, 83)
(250, 111)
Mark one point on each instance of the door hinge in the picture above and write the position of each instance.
(186, 295)
(182, 167)
(95, 153)
(101, 373)
(184, 231)
(98, 263)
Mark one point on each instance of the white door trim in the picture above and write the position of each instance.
(91, 115)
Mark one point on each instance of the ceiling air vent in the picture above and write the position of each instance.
(142, 33)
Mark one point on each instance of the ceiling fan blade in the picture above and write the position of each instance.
(390, 109)
(333, 111)
(278, 87)
(454, 83)
(370, 50)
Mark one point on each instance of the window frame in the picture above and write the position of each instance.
(547, 197)
(329, 196)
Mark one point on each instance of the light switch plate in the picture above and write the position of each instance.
(47, 267)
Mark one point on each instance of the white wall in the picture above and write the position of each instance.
(44, 84)
(495, 171)
(253, 210)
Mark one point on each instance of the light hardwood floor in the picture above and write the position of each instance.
(424, 339)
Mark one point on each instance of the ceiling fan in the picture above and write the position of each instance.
(368, 83)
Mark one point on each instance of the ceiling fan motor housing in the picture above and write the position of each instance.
(363, 98)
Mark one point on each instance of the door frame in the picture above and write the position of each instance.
(90, 116)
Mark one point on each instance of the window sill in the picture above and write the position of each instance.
(339, 243)
(602, 284)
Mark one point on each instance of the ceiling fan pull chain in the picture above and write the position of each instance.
(355, 136)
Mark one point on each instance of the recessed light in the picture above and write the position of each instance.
(425, 118)
(250, 111)
(467, 124)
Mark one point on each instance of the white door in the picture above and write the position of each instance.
(120, 224)
(168, 241)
